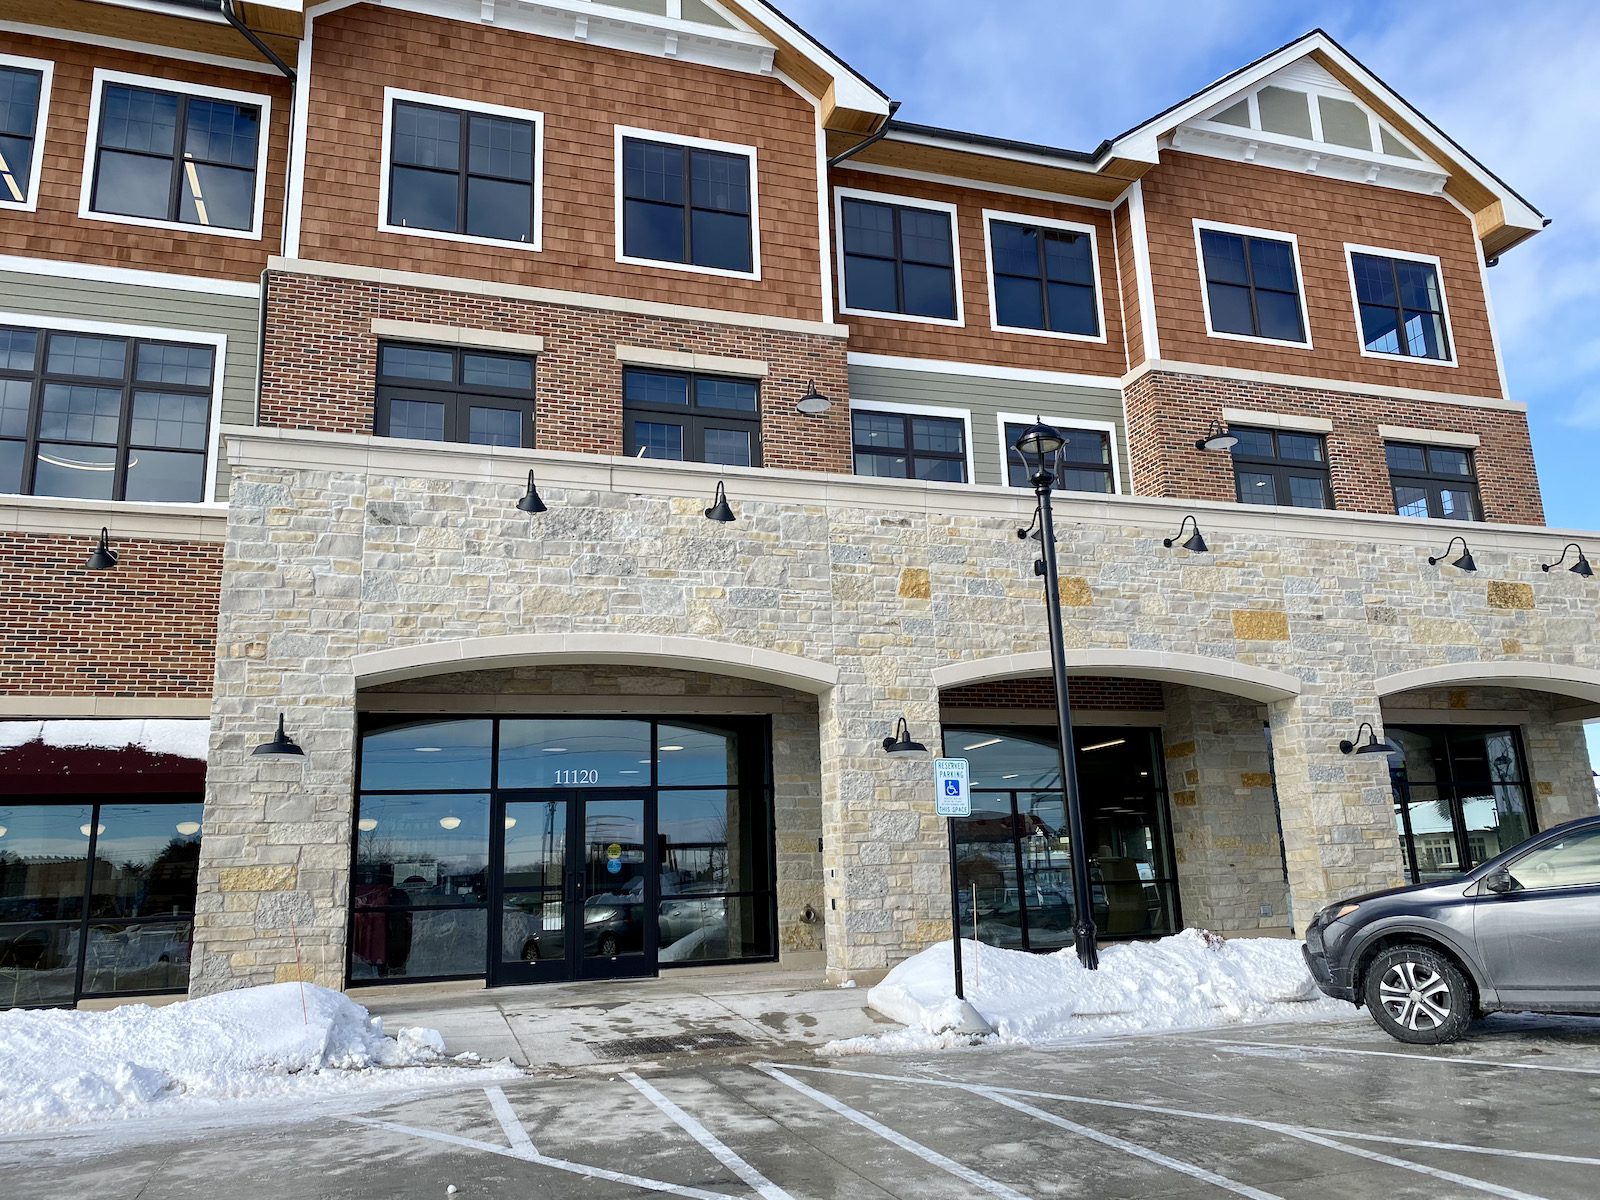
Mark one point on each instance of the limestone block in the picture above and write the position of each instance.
(1510, 595)
(272, 878)
(1260, 625)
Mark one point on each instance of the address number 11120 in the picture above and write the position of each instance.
(577, 778)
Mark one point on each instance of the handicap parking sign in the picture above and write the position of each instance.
(950, 788)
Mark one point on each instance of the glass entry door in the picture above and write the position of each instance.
(578, 877)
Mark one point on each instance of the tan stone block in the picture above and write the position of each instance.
(1075, 592)
(1256, 779)
(273, 878)
(925, 933)
(1441, 631)
(290, 973)
(1458, 699)
(1184, 799)
(1510, 595)
(1544, 788)
(1228, 843)
(1510, 646)
(1191, 777)
(1180, 750)
(1260, 625)
(914, 584)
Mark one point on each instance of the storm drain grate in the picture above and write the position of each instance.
(677, 1044)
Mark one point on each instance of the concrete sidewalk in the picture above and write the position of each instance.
(733, 1010)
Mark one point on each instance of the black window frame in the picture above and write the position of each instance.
(1400, 309)
(128, 383)
(896, 209)
(8, 178)
(457, 397)
(178, 157)
(909, 450)
(1434, 482)
(694, 419)
(1046, 233)
(1251, 287)
(687, 206)
(464, 173)
(1283, 469)
(1015, 472)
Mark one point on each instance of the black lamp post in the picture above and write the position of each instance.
(1038, 447)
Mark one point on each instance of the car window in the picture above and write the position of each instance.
(1574, 861)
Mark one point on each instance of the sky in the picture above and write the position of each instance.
(1514, 83)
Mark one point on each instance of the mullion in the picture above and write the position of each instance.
(1255, 312)
(899, 262)
(1044, 307)
(180, 135)
(119, 477)
(688, 217)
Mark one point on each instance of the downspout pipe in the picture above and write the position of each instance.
(894, 107)
(226, 8)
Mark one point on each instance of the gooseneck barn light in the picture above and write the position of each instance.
(719, 510)
(1466, 562)
(531, 503)
(1581, 567)
(813, 403)
(281, 745)
(899, 744)
(103, 558)
(1372, 745)
(1039, 447)
(1194, 543)
(1217, 438)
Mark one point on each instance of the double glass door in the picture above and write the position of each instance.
(579, 885)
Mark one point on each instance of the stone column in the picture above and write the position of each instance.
(1337, 809)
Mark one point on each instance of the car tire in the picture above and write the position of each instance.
(1418, 995)
(608, 946)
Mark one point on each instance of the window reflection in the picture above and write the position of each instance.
(1460, 797)
(424, 755)
(567, 753)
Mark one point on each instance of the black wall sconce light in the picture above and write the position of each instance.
(813, 403)
(719, 510)
(1465, 562)
(1217, 438)
(281, 745)
(103, 557)
(531, 503)
(1372, 745)
(1194, 543)
(900, 744)
(1581, 567)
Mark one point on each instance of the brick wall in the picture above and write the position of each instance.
(56, 230)
(321, 364)
(145, 628)
(1088, 693)
(1168, 412)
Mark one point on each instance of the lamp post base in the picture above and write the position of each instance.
(968, 1020)
(1083, 940)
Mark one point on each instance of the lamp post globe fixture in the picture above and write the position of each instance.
(1038, 446)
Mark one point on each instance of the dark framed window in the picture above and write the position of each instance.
(691, 418)
(1433, 481)
(898, 259)
(682, 204)
(1044, 279)
(1461, 796)
(446, 394)
(1252, 288)
(1085, 460)
(462, 172)
(1402, 307)
(169, 156)
(103, 418)
(895, 445)
(20, 91)
(1273, 467)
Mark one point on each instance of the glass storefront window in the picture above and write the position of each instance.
(563, 753)
(146, 860)
(697, 755)
(714, 870)
(1460, 797)
(422, 851)
(427, 756)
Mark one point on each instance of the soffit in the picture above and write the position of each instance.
(168, 25)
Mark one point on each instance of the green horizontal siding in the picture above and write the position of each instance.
(28, 295)
(986, 399)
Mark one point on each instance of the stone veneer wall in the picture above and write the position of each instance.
(796, 768)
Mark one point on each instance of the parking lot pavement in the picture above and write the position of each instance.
(1286, 1111)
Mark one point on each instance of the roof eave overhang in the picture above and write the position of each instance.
(849, 103)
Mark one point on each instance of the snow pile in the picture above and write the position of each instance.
(58, 1067)
(1189, 981)
(186, 739)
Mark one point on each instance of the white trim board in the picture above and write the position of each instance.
(1351, 249)
(977, 185)
(1314, 383)
(218, 341)
(1268, 420)
(840, 195)
(91, 145)
(1429, 437)
(150, 48)
(1267, 235)
(93, 272)
(1067, 423)
(964, 415)
(1139, 234)
(991, 215)
(392, 95)
(456, 335)
(620, 132)
(678, 360)
(939, 366)
(41, 127)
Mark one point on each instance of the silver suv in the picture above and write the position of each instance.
(1521, 932)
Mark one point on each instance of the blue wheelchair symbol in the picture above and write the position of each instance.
(952, 787)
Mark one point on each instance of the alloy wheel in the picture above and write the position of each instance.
(1415, 995)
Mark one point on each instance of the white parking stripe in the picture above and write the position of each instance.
(1400, 1141)
(763, 1186)
(638, 1181)
(993, 1186)
(1133, 1148)
(1428, 1058)
(515, 1133)
(1294, 1131)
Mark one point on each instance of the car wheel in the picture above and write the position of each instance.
(608, 946)
(1416, 994)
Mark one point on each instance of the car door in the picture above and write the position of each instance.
(1540, 937)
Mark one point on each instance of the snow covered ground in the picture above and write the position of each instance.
(61, 1068)
(1190, 981)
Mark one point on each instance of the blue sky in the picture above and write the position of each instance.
(1515, 83)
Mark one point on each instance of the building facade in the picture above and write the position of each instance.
(406, 353)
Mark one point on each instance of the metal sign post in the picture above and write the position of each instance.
(952, 799)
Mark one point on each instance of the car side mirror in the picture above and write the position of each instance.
(1500, 881)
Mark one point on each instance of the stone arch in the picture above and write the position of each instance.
(595, 648)
(1217, 674)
